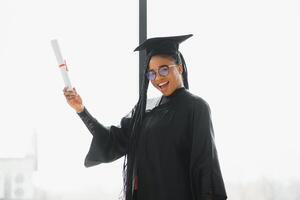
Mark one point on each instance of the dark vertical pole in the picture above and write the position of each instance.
(142, 37)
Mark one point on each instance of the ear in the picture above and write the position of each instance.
(180, 69)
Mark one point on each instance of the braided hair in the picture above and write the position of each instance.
(138, 115)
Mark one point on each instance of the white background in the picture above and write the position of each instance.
(243, 60)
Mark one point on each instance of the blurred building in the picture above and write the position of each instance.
(16, 175)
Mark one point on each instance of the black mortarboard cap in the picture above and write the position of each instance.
(161, 45)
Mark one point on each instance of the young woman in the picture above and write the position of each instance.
(169, 148)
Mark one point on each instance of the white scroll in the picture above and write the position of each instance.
(61, 63)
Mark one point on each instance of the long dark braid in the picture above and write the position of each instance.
(138, 115)
(185, 74)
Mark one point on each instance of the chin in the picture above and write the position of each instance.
(167, 93)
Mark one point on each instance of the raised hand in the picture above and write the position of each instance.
(73, 99)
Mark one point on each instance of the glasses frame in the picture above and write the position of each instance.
(158, 71)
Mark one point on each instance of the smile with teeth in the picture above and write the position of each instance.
(161, 85)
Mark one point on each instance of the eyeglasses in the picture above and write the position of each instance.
(163, 71)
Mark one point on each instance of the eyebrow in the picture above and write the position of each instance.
(161, 66)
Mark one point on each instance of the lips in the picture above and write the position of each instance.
(162, 85)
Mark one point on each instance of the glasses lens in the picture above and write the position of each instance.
(151, 75)
(164, 71)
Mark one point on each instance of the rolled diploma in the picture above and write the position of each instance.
(61, 63)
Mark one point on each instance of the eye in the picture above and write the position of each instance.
(164, 70)
(151, 75)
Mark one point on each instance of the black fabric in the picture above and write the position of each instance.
(108, 143)
(176, 153)
(162, 45)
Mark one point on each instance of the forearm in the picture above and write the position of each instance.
(92, 124)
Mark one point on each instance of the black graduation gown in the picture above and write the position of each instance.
(176, 154)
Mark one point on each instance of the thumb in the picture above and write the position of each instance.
(75, 91)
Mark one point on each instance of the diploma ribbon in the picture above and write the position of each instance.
(64, 65)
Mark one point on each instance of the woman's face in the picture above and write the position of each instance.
(166, 84)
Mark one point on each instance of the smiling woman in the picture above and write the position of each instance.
(169, 149)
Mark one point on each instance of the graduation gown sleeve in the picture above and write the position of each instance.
(108, 143)
(206, 178)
